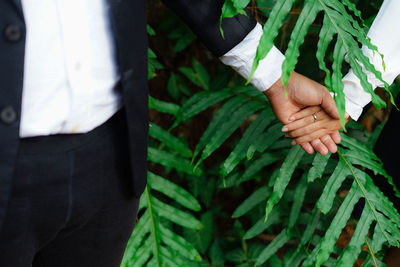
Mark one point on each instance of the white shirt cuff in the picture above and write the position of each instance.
(241, 58)
(356, 97)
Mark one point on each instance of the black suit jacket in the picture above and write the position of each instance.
(128, 20)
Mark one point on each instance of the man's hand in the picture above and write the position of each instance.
(302, 92)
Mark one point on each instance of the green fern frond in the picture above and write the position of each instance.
(337, 22)
(285, 174)
(252, 134)
(152, 243)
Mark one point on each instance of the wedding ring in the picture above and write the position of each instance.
(315, 116)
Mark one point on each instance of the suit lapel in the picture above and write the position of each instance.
(17, 4)
(113, 3)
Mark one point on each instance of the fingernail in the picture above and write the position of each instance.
(293, 142)
(285, 129)
(292, 118)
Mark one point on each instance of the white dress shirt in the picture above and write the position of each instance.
(70, 71)
(384, 33)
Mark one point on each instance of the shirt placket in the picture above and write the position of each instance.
(75, 34)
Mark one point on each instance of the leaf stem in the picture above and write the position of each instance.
(365, 195)
(153, 227)
(371, 252)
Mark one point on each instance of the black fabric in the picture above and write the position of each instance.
(203, 17)
(128, 23)
(387, 149)
(71, 202)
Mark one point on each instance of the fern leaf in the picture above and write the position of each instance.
(222, 115)
(358, 71)
(378, 239)
(250, 92)
(318, 167)
(179, 244)
(202, 238)
(325, 37)
(354, 54)
(253, 200)
(173, 191)
(260, 226)
(358, 158)
(226, 128)
(175, 215)
(353, 249)
(285, 174)
(273, 247)
(252, 133)
(170, 160)
(163, 107)
(265, 160)
(299, 255)
(141, 229)
(200, 102)
(169, 140)
(307, 16)
(337, 84)
(299, 195)
(153, 244)
(349, 23)
(325, 201)
(143, 254)
(230, 9)
(355, 145)
(270, 31)
(267, 139)
(351, 6)
(197, 74)
(170, 259)
(311, 226)
(376, 200)
(338, 223)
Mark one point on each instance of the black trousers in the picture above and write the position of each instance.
(70, 203)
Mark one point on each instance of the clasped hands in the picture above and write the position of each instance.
(309, 113)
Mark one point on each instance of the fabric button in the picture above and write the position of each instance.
(13, 33)
(77, 66)
(8, 115)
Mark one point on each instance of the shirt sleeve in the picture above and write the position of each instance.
(241, 57)
(385, 35)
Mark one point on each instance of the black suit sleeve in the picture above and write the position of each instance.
(202, 16)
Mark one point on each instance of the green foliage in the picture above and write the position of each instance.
(225, 188)
(337, 23)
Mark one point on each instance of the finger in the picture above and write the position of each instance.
(304, 113)
(305, 122)
(329, 143)
(312, 136)
(307, 147)
(319, 147)
(305, 131)
(336, 137)
(300, 123)
(329, 105)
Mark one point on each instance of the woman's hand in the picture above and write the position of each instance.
(312, 123)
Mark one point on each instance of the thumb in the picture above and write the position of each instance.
(328, 105)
